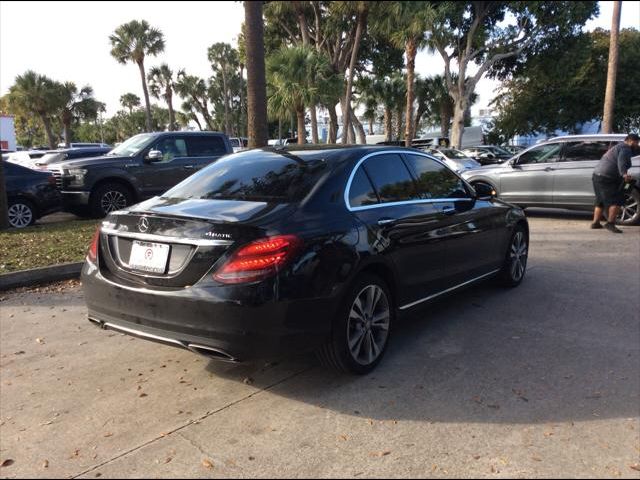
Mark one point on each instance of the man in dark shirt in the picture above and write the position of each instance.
(608, 181)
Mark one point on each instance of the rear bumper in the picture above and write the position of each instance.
(231, 322)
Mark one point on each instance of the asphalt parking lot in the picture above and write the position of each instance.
(537, 381)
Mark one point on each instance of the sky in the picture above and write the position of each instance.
(69, 41)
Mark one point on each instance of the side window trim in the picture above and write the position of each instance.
(391, 204)
(373, 185)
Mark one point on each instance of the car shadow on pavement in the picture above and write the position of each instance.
(487, 355)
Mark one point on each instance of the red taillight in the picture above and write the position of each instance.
(92, 253)
(259, 259)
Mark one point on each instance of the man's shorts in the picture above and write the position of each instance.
(608, 191)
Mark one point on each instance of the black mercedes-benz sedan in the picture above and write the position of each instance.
(274, 251)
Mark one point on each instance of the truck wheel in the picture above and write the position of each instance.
(108, 198)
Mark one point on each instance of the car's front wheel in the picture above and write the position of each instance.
(630, 212)
(515, 260)
(110, 197)
(21, 213)
(361, 330)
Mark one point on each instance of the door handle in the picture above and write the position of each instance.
(549, 169)
(189, 167)
(448, 210)
(386, 221)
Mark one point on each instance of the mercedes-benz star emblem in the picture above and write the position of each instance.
(143, 224)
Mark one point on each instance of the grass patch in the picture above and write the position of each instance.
(45, 245)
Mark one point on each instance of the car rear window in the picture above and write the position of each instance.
(253, 176)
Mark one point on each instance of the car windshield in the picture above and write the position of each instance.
(255, 176)
(453, 153)
(132, 146)
(498, 150)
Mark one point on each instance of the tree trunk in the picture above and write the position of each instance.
(457, 129)
(399, 125)
(388, 124)
(195, 118)
(67, 133)
(4, 206)
(612, 71)
(47, 128)
(371, 126)
(416, 122)
(227, 124)
(314, 124)
(146, 94)
(333, 125)
(362, 136)
(302, 134)
(410, 50)
(445, 121)
(172, 114)
(362, 18)
(241, 121)
(256, 80)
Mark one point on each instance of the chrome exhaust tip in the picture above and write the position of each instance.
(211, 352)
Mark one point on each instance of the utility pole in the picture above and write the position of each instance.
(610, 93)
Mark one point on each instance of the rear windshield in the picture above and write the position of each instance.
(253, 176)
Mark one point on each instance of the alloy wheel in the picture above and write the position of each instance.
(518, 254)
(20, 215)
(368, 325)
(629, 209)
(113, 200)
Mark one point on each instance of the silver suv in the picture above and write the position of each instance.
(557, 173)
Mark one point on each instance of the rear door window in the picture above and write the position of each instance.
(390, 177)
(362, 192)
(171, 147)
(434, 179)
(205, 146)
(585, 151)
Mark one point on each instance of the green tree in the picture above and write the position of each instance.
(130, 101)
(195, 92)
(161, 85)
(565, 88)
(495, 36)
(76, 105)
(224, 59)
(132, 42)
(38, 95)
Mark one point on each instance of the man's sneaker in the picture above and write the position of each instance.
(596, 226)
(612, 228)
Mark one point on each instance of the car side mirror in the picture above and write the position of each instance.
(154, 156)
(484, 191)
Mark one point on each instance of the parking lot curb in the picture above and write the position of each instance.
(36, 276)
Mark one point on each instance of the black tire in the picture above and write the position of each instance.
(515, 260)
(109, 197)
(369, 337)
(630, 214)
(22, 213)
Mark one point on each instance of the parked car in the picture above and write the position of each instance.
(453, 158)
(273, 251)
(513, 149)
(487, 154)
(62, 154)
(30, 194)
(239, 143)
(141, 167)
(24, 157)
(557, 173)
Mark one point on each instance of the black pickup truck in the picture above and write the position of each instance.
(143, 166)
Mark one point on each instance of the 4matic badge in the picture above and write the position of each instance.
(218, 235)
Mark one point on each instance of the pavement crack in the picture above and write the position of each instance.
(191, 422)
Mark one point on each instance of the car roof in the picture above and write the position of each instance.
(330, 153)
(191, 134)
(598, 136)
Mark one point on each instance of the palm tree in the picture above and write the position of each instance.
(38, 95)
(76, 105)
(391, 92)
(612, 70)
(224, 59)
(406, 27)
(161, 85)
(256, 78)
(294, 75)
(195, 91)
(132, 42)
(129, 101)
